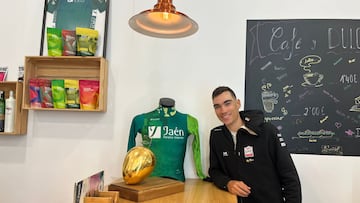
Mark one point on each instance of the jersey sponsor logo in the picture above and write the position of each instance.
(154, 132)
(248, 152)
(173, 132)
(167, 132)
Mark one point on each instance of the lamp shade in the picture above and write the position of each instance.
(163, 21)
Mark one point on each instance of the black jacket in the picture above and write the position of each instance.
(261, 161)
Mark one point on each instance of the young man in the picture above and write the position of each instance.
(248, 157)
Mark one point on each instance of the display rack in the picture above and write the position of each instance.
(21, 115)
(66, 67)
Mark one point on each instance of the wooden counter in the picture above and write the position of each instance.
(195, 191)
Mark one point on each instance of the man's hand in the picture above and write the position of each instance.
(238, 188)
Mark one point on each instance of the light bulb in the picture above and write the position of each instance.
(165, 16)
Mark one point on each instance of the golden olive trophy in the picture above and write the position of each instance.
(138, 164)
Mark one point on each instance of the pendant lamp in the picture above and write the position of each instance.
(163, 21)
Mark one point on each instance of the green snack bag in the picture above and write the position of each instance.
(54, 41)
(58, 94)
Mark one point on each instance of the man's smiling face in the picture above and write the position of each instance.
(226, 108)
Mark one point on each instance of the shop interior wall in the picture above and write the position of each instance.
(61, 148)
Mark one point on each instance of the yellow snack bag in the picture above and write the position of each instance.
(86, 40)
(72, 94)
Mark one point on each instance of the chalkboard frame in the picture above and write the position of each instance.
(305, 75)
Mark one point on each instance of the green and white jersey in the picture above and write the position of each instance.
(165, 132)
(69, 14)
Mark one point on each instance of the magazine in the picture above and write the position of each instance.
(88, 186)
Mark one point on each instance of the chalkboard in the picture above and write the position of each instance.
(305, 75)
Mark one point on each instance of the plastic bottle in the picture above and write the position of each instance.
(10, 113)
(2, 111)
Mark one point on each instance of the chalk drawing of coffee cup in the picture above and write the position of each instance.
(313, 79)
(269, 99)
(356, 107)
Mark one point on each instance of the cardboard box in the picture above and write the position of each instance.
(150, 188)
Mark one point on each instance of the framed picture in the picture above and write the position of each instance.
(70, 14)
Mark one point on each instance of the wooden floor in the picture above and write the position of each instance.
(196, 191)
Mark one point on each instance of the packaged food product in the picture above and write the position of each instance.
(72, 99)
(69, 42)
(58, 93)
(54, 41)
(34, 93)
(86, 40)
(46, 93)
(89, 94)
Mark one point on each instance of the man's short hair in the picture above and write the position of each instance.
(219, 90)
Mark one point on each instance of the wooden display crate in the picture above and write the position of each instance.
(21, 115)
(150, 188)
(103, 197)
(66, 67)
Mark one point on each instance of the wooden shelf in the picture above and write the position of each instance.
(21, 115)
(66, 67)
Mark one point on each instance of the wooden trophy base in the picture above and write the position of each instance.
(150, 188)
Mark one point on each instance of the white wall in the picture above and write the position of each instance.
(61, 148)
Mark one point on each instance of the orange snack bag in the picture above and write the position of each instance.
(89, 94)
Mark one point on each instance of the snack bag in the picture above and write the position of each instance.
(89, 94)
(45, 93)
(58, 93)
(72, 99)
(34, 93)
(54, 41)
(69, 42)
(86, 40)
